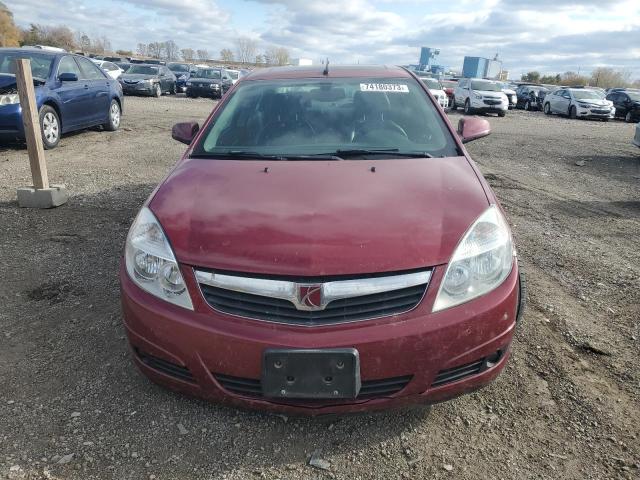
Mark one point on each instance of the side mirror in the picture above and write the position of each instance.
(472, 128)
(185, 132)
(68, 77)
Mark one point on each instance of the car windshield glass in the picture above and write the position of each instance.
(208, 73)
(328, 117)
(635, 96)
(40, 64)
(485, 86)
(178, 67)
(143, 70)
(432, 84)
(586, 95)
(233, 74)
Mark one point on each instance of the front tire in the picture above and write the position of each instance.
(453, 105)
(527, 105)
(628, 117)
(115, 113)
(467, 108)
(173, 91)
(502, 114)
(158, 91)
(50, 127)
(547, 109)
(573, 113)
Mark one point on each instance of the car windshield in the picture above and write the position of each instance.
(143, 70)
(40, 64)
(432, 84)
(586, 95)
(208, 73)
(635, 96)
(179, 67)
(485, 86)
(323, 117)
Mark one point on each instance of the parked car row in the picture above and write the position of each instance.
(72, 93)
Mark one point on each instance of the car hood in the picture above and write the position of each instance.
(318, 218)
(205, 80)
(490, 93)
(137, 76)
(600, 103)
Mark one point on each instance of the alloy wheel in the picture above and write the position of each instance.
(50, 128)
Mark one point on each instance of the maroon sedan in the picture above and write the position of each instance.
(324, 245)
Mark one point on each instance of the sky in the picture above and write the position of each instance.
(550, 36)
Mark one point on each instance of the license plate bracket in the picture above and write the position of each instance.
(311, 373)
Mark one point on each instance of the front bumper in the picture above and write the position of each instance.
(138, 89)
(595, 112)
(481, 106)
(418, 345)
(11, 126)
(204, 92)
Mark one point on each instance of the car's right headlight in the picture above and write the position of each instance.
(481, 262)
(151, 263)
(9, 99)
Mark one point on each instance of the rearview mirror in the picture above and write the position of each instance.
(185, 132)
(68, 77)
(472, 128)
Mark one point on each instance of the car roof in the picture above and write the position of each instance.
(39, 51)
(335, 71)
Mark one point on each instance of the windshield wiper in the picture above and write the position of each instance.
(261, 156)
(394, 152)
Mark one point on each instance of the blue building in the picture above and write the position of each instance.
(474, 67)
(427, 55)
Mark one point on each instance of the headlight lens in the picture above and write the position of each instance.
(584, 105)
(150, 261)
(481, 262)
(477, 96)
(9, 99)
(214, 86)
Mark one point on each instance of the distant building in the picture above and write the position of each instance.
(474, 67)
(427, 55)
(300, 62)
(480, 67)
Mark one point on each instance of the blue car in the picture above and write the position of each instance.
(72, 93)
(182, 71)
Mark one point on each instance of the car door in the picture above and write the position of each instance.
(74, 96)
(556, 101)
(622, 102)
(458, 93)
(99, 89)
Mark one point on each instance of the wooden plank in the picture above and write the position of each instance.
(31, 121)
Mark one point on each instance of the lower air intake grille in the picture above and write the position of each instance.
(163, 366)
(463, 371)
(369, 389)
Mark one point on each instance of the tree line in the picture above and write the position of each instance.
(603, 77)
(245, 51)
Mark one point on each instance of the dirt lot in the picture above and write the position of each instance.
(567, 406)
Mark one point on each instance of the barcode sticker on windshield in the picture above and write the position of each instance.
(384, 87)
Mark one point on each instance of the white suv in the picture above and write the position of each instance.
(478, 95)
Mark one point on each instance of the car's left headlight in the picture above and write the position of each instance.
(481, 262)
(151, 263)
(9, 99)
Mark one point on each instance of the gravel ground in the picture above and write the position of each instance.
(567, 406)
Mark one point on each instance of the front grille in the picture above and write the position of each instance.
(492, 102)
(600, 112)
(343, 310)
(251, 387)
(163, 366)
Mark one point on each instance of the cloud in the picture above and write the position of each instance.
(548, 35)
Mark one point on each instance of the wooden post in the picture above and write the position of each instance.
(31, 120)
